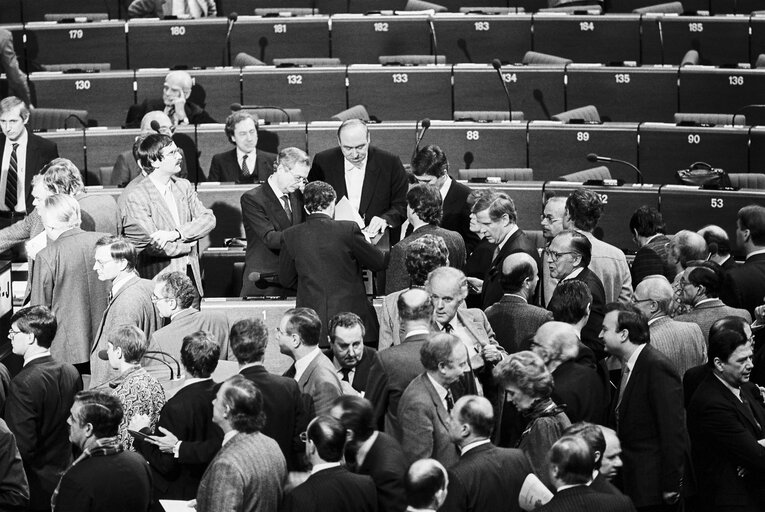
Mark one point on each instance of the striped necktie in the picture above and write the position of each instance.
(11, 184)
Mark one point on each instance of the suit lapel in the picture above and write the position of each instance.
(441, 412)
(467, 321)
(371, 176)
(280, 216)
(308, 371)
(339, 174)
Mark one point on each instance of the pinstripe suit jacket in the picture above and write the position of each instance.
(682, 343)
(145, 212)
(247, 474)
(704, 315)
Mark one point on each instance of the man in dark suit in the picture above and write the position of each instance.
(725, 422)
(568, 257)
(424, 214)
(190, 439)
(744, 286)
(245, 163)
(174, 102)
(486, 477)
(352, 359)
(64, 280)
(298, 337)
(594, 436)
(647, 228)
(22, 155)
(430, 166)
(718, 244)
(9, 64)
(571, 467)
(267, 210)
(286, 416)
(13, 482)
(373, 453)
(395, 367)
(496, 215)
(514, 319)
(104, 477)
(39, 401)
(426, 486)
(331, 486)
(324, 258)
(648, 412)
(373, 180)
(426, 403)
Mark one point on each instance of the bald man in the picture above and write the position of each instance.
(485, 477)
(426, 484)
(612, 457)
(174, 103)
(126, 168)
(513, 319)
(682, 342)
(577, 385)
(718, 243)
(373, 180)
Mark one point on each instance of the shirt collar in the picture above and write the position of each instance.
(574, 273)
(735, 391)
(510, 233)
(272, 183)
(474, 444)
(440, 390)
(416, 331)
(654, 319)
(302, 363)
(350, 167)
(564, 487)
(633, 358)
(36, 356)
(193, 380)
(121, 280)
(711, 299)
(363, 450)
(229, 436)
(445, 187)
(250, 365)
(755, 253)
(324, 465)
(22, 142)
(251, 156)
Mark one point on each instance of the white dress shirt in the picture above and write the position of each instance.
(354, 182)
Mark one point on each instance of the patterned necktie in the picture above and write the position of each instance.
(449, 401)
(287, 206)
(245, 169)
(346, 372)
(623, 384)
(448, 329)
(11, 184)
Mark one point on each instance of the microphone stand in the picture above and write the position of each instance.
(84, 144)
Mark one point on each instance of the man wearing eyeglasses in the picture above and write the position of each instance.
(245, 163)
(267, 210)
(552, 225)
(373, 180)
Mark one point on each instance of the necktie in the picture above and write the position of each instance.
(623, 383)
(171, 114)
(346, 372)
(245, 169)
(291, 372)
(448, 329)
(449, 401)
(11, 183)
(287, 207)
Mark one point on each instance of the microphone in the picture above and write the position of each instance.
(161, 360)
(498, 66)
(661, 39)
(425, 123)
(235, 107)
(154, 125)
(259, 278)
(592, 157)
(433, 36)
(84, 143)
(227, 49)
(462, 45)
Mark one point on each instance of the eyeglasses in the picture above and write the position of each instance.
(12, 334)
(549, 218)
(155, 299)
(300, 179)
(555, 256)
(638, 301)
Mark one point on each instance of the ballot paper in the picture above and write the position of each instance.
(344, 210)
(177, 505)
(533, 493)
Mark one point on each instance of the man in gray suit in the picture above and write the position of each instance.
(426, 403)
(65, 282)
(699, 285)
(513, 318)
(298, 337)
(682, 342)
(249, 471)
(130, 300)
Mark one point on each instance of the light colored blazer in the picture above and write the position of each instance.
(704, 315)
(682, 343)
(144, 212)
(319, 382)
(610, 265)
(248, 473)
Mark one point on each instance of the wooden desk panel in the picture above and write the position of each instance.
(49, 42)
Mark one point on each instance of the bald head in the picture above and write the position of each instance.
(164, 123)
(425, 484)
(612, 457)
(477, 413)
(653, 296)
(414, 306)
(556, 342)
(687, 246)
(519, 274)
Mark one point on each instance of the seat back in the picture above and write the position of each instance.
(596, 173)
(519, 174)
(588, 114)
(41, 119)
(753, 180)
(544, 59)
(487, 115)
(355, 112)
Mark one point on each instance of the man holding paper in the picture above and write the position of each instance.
(373, 180)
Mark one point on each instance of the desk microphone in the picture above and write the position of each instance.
(235, 107)
(435, 41)
(155, 126)
(227, 48)
(84, 125)
(259, 278)
(425, 123)
(592, 157)
(498, 66)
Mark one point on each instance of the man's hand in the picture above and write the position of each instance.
(139, 422)
(165, 443)
(160, 238)
(475, 285)
(376, 225)
(670, 498)
(491, 353)
(179, 103)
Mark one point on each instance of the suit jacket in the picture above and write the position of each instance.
(583, 497)
(187, 321)
(264, 221)
(64, 281)
(324, 258)
(247, 474)
(99, 213)
(362, 369)
(40, 152)
(682, 343)
(492, 289)
(386, 464)
(383, 193)
(130, 305)
(601, 484)
(319, 385)
(456, 214)
(286, 416)
(610, 265)
(119, 482)
(743, 285)
(225, 167)
(393, 369)
(515, 320)
(704, 315)
(146, 212)
(194, 113)
(647, 263)
(335, 489)
(724, 433)
(651, 428)
(487, 478)
(126, 169)
(591, 331)
(14, 487)
(397, 278)
(582, 391)
(39, 401)
(188, 415)
(391, 331)
(425, 424)
(9, 64)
